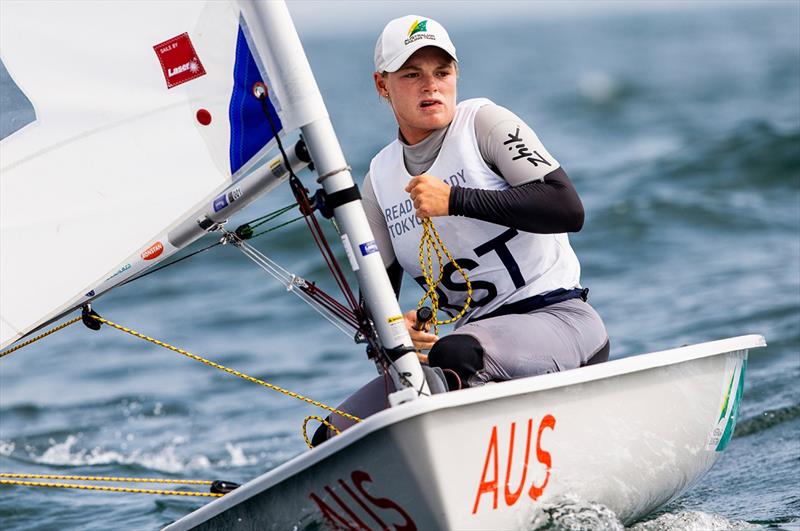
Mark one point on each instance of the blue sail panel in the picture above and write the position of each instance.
(250, 129)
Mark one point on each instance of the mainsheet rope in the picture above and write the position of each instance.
(21, 480)
(225, 369)
(40, 336)
(106, 488)
(429, 243)
(205, 362)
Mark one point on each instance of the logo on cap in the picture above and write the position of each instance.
(417, 26)
(417, 31)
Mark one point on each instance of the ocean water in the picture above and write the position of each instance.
(681, 131)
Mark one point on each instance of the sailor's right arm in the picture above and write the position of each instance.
(380, 231)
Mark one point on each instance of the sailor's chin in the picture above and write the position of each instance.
(435, 120)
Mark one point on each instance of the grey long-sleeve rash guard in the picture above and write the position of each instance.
(541, 199)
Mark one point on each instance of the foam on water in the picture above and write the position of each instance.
(693, 521)
(6, 448)
(166, 459)
(170, 458)
(572, 514)
(163, 460)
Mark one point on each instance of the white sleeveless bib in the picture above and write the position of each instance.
(503, 264)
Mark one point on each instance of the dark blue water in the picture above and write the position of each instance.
(681, 131)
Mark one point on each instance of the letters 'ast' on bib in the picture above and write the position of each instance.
(504, 264)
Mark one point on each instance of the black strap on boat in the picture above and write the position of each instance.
(396, 353)
(326, 203)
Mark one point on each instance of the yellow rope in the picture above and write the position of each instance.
(226, 369)
(323, 421)
(109, 489)
(432, 242)
(37, 338)
(102, 478)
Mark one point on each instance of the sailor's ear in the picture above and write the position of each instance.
(380, 84)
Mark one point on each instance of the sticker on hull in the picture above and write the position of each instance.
(729, 409)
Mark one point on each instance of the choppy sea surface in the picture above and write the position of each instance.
(681, 132)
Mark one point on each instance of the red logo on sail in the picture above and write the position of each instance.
(178, 60)
(154, 251)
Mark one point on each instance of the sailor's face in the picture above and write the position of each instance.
(422, 92)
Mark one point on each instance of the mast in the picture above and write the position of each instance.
(275, 37)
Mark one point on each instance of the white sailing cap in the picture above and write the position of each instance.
(405, 35)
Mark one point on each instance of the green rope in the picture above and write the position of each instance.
(272, 215)
(276, 227)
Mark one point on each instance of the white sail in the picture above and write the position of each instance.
(143, 113)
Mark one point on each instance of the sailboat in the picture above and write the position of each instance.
(188, 100)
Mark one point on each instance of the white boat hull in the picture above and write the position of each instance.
(630, 434)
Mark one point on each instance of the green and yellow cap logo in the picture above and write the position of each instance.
(417, 26)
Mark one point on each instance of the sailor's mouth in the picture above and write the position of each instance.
(429, 104)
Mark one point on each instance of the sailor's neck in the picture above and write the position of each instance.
(421, 156)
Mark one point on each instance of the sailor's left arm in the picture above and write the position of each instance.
(541, 198)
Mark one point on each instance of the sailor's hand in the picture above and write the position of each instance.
(431, 196)
(422, 339)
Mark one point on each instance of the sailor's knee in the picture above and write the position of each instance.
(601, 356)
(460, 353)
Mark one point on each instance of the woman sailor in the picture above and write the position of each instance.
(501, 204)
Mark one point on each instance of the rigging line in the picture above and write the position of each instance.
(272, 215)
(181, 259)
(283, 211)
(323, 304)
(307, 209)
(263, 98)
(326, 314)
(291, 282)
(323, 298)
(305, 205)
(256, 235)
(101, 478)
(260, 91)
(226, 369)
(107, 488)
(40, 336)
